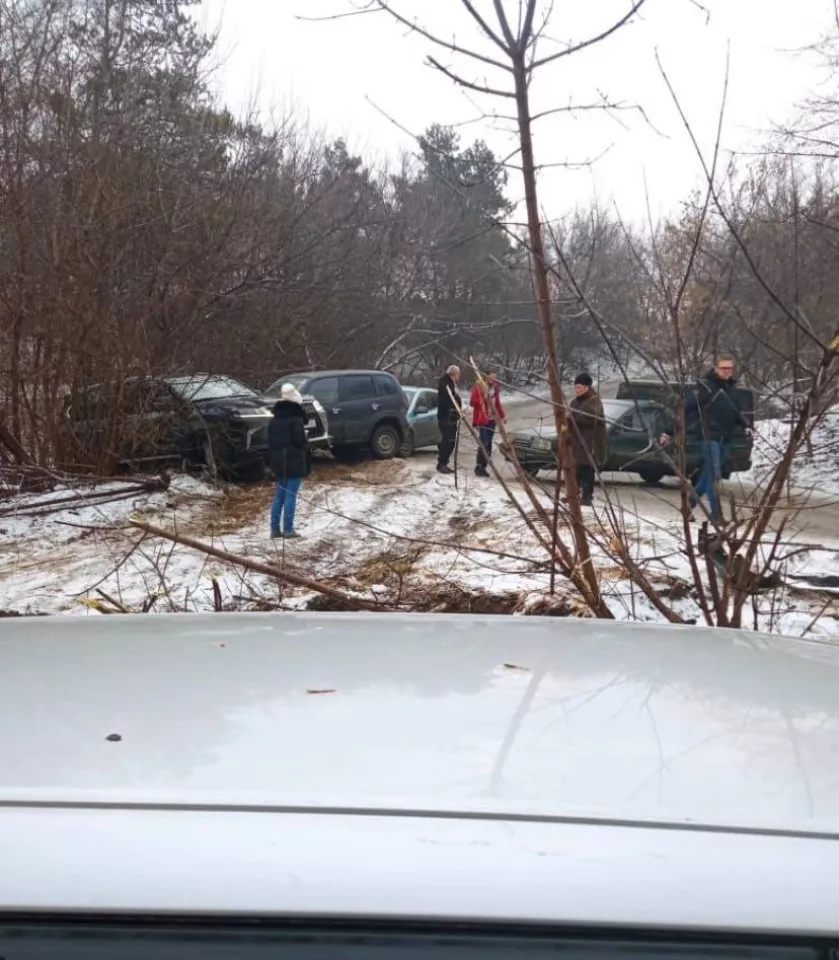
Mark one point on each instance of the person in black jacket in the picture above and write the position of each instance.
(710, 408)
(288, 458)
(448, 415)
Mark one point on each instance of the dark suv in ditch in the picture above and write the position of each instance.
(204, 420)
(367, 409)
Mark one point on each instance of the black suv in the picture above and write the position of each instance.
(366, 409)
(207, 421)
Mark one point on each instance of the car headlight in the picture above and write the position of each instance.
(541, 444)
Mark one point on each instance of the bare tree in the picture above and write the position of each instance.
(515, 33)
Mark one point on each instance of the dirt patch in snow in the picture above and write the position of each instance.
(373, 473)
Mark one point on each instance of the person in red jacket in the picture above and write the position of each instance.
(485, 401)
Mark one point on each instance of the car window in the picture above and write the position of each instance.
(387, 386)
(356, 386)
(203, 389)
(428, 398)
(324, 389)
(299, 380)
(614, 411)
(641, 419)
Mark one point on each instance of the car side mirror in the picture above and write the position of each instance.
(421, 408)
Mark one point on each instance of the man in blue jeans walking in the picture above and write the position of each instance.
(288, 458)
(711, 407)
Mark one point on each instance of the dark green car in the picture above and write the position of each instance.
(670, 395)
(633, 428)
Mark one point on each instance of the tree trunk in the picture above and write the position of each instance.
(584, 574)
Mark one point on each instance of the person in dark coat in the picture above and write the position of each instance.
(710, 409)
(288, 458)
(448, 415)
(589, 439)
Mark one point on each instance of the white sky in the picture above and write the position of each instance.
(332, 70)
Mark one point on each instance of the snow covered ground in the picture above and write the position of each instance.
(396, 532)
(816, 467)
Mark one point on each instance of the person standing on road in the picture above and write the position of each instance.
(448, 414)
(589, 440)
(485, 400)
(711, 407)
(288, 458)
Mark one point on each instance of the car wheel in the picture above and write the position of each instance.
(407, 447)
(531, 471)
(385, 442)
(651, 475)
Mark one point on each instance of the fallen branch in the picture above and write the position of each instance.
(13, 445)
(255, 566)
(79, 499)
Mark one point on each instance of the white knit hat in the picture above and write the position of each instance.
(289, 392)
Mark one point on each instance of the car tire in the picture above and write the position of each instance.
(531, 471)
(652, 476)
(407, 447)
(385, 442)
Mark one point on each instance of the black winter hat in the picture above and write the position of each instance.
(583, 379)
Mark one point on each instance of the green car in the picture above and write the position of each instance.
(670, 394)
(633, 428)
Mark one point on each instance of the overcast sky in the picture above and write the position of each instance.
(350, 75)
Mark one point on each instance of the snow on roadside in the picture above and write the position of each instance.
(815, 468)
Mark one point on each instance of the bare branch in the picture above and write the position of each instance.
(414, 27)
(337, 16)
(575, 48)
(485, 26)
(505, 26)
(466, 83)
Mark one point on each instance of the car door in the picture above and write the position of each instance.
(325, 389)
(629, 438)
(424, 419)
(358, 406)
(166, 418)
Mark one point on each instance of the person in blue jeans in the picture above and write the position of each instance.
(710, 410)
(288, 458)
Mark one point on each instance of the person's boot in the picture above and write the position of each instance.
(276, 535)
(481, 471)
(291, 535)
(444, 468)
